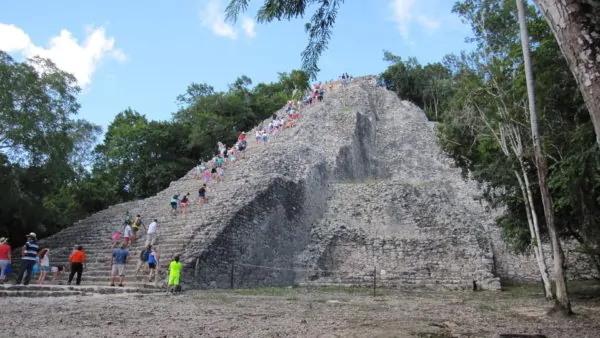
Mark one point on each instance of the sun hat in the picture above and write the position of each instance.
(32, 234)
(3, 240)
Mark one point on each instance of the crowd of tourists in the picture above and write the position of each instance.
(37, 261)
(34, 261)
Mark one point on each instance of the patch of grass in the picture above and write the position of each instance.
(355, 290)
(485, 308)
(292, 299)
(520, 291)
(585, 289)
(292, 292)
(272, 291)
(441, 334)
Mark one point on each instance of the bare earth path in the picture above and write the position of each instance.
(298, 312)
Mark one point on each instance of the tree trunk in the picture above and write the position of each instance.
(562, 299)
(576, 26)
(535, 239)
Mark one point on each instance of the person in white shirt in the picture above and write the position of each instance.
(127, 232)
(152, 233)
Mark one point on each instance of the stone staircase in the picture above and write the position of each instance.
(187, 235)
(359, 187)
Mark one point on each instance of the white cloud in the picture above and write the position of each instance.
(248, 24)
(404, 14)
(81, 60)
(212, 16)
(428, 23)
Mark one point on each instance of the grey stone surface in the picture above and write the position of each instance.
(358, 191)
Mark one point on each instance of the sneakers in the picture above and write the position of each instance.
(121, 285)
(112, 284)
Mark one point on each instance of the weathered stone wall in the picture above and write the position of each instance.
(523, 267)
(360, 187)
(269, 231)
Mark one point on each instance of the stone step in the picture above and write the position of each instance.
(28, 293)
(69, 290)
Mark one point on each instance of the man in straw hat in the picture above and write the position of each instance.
(30, 252)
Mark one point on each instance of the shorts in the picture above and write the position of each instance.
(173, 280)
(152, 265)
(118, 270)
(135, 230)
(126, 240)
(202, 194)
(173, 205)
(45, 268)
(183, 204)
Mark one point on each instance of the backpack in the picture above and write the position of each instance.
(138, 222)
(145, 255)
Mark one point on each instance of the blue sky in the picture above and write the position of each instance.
(143, 54)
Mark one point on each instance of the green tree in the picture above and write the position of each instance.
(318, 29)
(42, 146)
(487, 106)
(140, 158)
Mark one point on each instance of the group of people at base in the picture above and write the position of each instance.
(36, 261)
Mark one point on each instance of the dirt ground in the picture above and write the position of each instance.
(299, 312)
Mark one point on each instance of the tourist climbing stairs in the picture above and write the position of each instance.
(174, 232)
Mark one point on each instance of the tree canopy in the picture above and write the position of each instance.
(479, 99)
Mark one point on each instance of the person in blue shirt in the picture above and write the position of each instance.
(152, 263)
(120, 257)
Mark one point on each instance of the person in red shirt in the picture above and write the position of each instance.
(5, 258)
(242, 136)
(78, 263)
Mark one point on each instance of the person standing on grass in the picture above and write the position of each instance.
(120, 257)
(174, 274)
(30, 252)
(78, 261)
